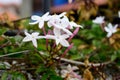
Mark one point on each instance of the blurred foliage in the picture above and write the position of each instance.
(91, 10)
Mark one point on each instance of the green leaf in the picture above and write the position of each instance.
(4, 76)
(113, 57)
(54, 77)
(45, 77)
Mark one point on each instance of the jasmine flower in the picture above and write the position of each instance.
(32, 37)
(110, 29)
(99, 20)
(59, 38)
(40, 20)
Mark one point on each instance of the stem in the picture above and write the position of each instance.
(65, 52)
(82, 63)
(74, 33)
(14, 53)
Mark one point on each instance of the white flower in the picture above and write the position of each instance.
(110, 29)
(55, 19)
(59, 38)
(62, 22)
(119, 14)
(67, 24)
(68, 70)
(32, 37)
(69, 73)
(99, 20)
(40, 20)
(62, 28)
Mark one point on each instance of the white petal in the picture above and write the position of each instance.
(107, 29)
(109, 34)
(35, 17)
(57, 32)
(35, 22)
(41, 24)
(26, 39)
(27, 34)
(49, 24)
(110, 26)
(115, 26)
(67, 31)
(39, 37)
(64, 36)
(34, 41)
(75, 25)
(35, 34)
(99, 20)
(57, 41)
(75, 68)
(50, 37)
(62, 14)
(64, 43)
(46, 16)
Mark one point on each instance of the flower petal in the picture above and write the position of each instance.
(41, 24)
(35, 17)
(62, 14)
(50, 37)
(56, 31)
(75, 25)
(64, 43)
(26, 39)
(32, 23)
(107, 29)
(46, 16)
(67, 31)
(34, 41)
(35, 34)
(64, 36)
(57, 41)
(109, 34)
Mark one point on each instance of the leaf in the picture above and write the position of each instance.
(113, 57)
(19, 76)
(45, 77)
(41, 69)
(4, 76)
(54, 77)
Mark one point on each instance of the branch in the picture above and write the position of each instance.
(82, 63)
(14, 53)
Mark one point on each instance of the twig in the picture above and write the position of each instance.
(82, 63)
(14, 53)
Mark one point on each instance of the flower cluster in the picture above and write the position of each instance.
(60, 25)
(110, 29)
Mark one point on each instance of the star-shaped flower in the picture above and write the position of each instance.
(68, 24)
(99, 20)
(110, 29)
(62, 28)
(40, 20)
(55, 19)
(32, 37)
(70, 74)
(59, 38)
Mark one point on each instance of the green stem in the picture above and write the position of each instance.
(14, 53)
